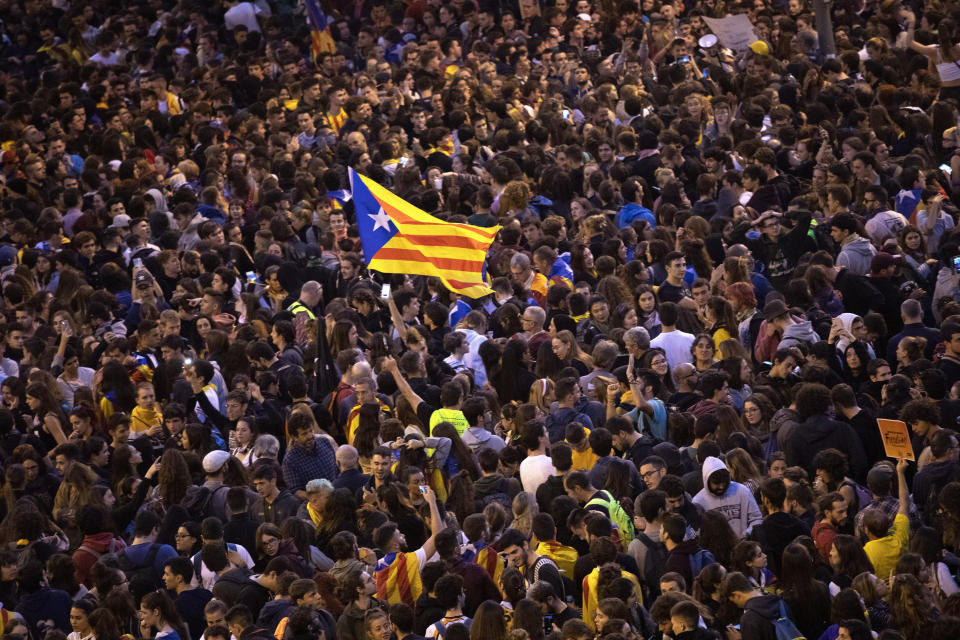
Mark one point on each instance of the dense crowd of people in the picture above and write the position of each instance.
(715, 271)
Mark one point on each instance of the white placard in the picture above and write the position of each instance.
(734, 32)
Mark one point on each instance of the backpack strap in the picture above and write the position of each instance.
(198, 566)
(539, 563)
(441, 628)
(95, 554)
(647, 541)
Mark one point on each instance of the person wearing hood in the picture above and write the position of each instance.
(732, 499)
(856, 252)
(817, 431)
(759, 610)
(779, 528)
(849, 327)
(188, 223)
(792, 329)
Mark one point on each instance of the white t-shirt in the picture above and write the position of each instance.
(534, 471)
(676, 345)
(208, 578)
(105, 61)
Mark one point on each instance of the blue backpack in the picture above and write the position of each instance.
(699, 560)
(784, 626)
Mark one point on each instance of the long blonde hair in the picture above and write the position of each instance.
(566, 336)
(77, 489)
(524, 509)
(540, 392)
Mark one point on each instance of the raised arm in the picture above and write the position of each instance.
(397, 319)
(436, 523)
(904, 489)
(909, 43)
(389, 364)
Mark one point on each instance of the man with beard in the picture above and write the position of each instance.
(397, 573)
(731, 499)
(833, 510)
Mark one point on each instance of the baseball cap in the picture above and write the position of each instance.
(121, 221)
(760, 48)
(8, 255)
(214, 461)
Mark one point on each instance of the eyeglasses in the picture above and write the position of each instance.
(181, 536)
(649, 474)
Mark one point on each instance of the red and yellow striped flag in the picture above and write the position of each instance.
(397, 237)
(399, 581)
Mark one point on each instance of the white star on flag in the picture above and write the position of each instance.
(380, 220)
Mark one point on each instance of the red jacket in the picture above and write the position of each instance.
(90, 551)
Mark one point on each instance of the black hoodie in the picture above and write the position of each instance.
(428, 611)
(774, 534)
(758, 617)
(819, 432)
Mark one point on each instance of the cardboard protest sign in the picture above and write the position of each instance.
(896, 438)
(734, 32)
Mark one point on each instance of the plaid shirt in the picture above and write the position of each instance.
(889, 506)
(303, 464)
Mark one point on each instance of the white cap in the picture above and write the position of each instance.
(214, 461)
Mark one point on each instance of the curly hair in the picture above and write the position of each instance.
(910, 606)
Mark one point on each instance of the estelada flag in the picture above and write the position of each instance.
(398, 237)
(321, 41)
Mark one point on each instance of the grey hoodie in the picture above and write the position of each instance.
(856, 255)
(736, 504)
(799, 331)
(477, 438)
(191, 237)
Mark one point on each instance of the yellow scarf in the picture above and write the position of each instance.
(314, 515)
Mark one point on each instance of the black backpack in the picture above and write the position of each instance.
(142, 577)
(500, 496)
(197, 501)
(653, 566)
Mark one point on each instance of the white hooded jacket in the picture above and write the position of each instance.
(736, 504)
